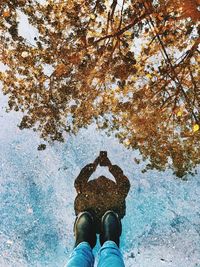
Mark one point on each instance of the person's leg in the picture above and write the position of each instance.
(85, 240)
(81, 256)
(110, 255)
(111, 229)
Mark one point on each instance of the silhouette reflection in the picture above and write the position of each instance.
(101, 194)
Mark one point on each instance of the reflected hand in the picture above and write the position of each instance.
(104, 161)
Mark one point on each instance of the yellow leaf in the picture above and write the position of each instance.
(149, 76)
(179, 113)
(127, 142)
(129, 33)
(92, 16)
(94, 34)
(195, 128)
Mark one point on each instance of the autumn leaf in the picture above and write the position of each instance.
(41, 147)
(195, 128)
(127, 142)
(92, 16)
(6, 14)
(61, 69)
(180, 112)
(25, 54)
(75, 58)
(128, 33)
(149, 76)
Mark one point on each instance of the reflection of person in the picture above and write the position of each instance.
(99, 206)
(101, 194)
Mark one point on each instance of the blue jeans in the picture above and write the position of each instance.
(82, 256)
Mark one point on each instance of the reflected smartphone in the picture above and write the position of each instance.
(103, 154)
(102, 157)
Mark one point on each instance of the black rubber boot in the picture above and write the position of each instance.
(111, 227)
(84, 229)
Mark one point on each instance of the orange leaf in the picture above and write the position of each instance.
(61, 69)
(6, 14)
(75, 58)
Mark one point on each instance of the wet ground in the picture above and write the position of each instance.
(162, 221)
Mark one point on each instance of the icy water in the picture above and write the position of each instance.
(162, 222)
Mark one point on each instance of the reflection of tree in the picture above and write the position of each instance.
(101, 194)
(148, 96)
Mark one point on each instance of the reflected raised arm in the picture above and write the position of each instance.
(121, 180)
(85, 174)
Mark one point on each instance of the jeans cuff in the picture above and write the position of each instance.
(110, 244)
(84, 244)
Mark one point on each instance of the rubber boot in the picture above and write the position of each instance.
(84, 230)
(111, 227)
